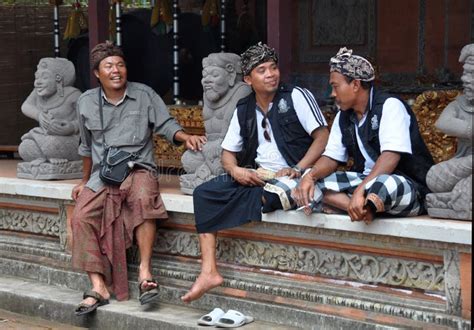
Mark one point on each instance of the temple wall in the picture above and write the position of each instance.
(288, 269)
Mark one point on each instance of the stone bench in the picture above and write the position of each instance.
(321, 271)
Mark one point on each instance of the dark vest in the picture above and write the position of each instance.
(290, 137)
(414, 166)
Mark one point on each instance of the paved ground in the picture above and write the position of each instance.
(9, 320)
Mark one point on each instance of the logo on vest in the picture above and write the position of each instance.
(282, 106)
(374, 122)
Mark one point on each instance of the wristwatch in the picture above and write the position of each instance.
(298, 169)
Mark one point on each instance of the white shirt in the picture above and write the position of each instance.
(394, 134)
(268, 155)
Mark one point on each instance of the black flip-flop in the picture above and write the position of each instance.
(147, 295)
(83, 308)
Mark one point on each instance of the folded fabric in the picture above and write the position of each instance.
(212, 317)
(233, 319)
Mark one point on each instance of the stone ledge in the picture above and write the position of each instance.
(423, 227)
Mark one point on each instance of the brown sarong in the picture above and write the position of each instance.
(103, 223)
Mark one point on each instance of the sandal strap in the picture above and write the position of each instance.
(149, 280)
(93, 294)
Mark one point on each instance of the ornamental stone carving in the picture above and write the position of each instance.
(50, 150)
(32, 222)
(314, 261)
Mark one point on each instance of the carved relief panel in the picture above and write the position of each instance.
(327, 25)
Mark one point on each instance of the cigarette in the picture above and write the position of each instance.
(302, 207)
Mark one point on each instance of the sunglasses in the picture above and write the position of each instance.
(266, 133)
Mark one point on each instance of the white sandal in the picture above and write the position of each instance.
(211, 318)
(233, 319)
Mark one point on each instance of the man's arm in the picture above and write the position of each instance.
(86, 174)
(385, 164)
(193, 142)
(304, 192)
(320, 138)
(242, 175)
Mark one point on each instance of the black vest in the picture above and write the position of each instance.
(413, 166)
(290, 137)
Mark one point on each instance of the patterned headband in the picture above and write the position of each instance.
(255, 56)
(353, 66)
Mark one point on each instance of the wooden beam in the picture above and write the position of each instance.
(279, 32)
(98, 27)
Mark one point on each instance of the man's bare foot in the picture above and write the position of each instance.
(204, 283)
(369, 215)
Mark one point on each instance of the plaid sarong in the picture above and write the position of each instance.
(397, 194)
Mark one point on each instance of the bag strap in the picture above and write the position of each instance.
(102, 118)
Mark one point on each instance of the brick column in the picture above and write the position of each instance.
(465, 266)
(279, 31)
(98, 13)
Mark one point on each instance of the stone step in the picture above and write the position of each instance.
(44, 263)
(57, 304)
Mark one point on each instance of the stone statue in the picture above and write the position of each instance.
(451, 180)
(50, 150)
(223, 88)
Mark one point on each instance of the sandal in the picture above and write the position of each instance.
(83, 308)
(149, 294)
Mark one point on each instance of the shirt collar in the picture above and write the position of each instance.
(130, 92)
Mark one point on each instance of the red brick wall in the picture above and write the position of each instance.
(25, 37)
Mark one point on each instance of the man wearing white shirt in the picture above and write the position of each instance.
(277, 130)
(380, 133)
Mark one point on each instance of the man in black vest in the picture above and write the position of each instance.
(380, 133)
(276, 131)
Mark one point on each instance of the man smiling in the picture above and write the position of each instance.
(125, 115)
(278, 129)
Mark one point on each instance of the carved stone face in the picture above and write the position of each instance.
(468, 83)
(45, 83)
(215, 82)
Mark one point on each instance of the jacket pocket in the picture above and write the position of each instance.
(292, 128)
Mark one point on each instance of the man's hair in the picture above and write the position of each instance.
(103, 50)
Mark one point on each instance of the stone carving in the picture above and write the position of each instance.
(50, 150)
(31, 222)
(451, 180)
(334, 264)
(452, 282)
(223, 88)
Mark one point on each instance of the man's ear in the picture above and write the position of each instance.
(96, 73)
(248, 80)
(356, 85)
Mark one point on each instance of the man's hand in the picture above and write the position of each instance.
(76, 191)
(303, 193)
(356, 209)
(246, 177)
(195, 142)
(288, 171)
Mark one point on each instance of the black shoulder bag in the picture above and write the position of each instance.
(116, 164)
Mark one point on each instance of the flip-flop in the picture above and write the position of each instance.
(211, 318)
(83, 308)
(233, 319)
(147, 295)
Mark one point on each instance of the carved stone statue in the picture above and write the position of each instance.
(451, 180)
(223, 88)
(50, 150)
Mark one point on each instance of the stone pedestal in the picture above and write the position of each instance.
(49, 171)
